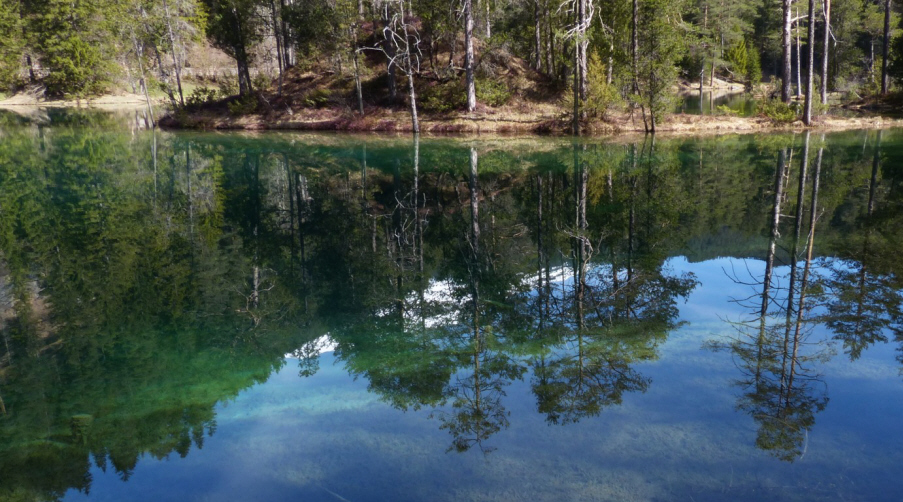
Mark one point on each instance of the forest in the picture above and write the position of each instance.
(589, 58)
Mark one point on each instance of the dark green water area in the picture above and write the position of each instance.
(233, 317)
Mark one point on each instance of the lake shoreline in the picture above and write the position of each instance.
(543, 122)
(396, 121)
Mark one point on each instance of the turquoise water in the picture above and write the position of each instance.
(203, 316)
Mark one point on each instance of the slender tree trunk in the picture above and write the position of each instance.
(825, 51)
(885, 51)
(474, 202)
(177, 67)
(775, 232)
(799, 57)
(357, 70)
(635, 46)
(550, 42)
(468, 56)
(537, 39)
(389, 46)
(412, 95)
(810, 70)
(489, 20)
(288, 52)
(139, 51)
(786, 56)
(280, 60)
(409, 69)
(583, 45)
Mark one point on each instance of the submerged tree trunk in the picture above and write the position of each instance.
(474, 202)
(775, 231)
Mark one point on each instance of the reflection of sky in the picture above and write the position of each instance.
(327, 438)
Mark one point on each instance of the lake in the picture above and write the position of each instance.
(228, 316)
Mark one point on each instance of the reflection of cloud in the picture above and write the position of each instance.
(320, 345)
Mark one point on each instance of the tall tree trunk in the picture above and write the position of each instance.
(550, 41)
(280, 60)
(825, 51)
(474, 203)
(775, 231)
(799, 56)
(409, 70)
(885, 50)
(488, 20)
(288, 52)
(412, 96)
(583, 45)
(635, 46)
(537, 39)
(468, 56)
(786, 56)
(810, 70)
(139, 51)
(357, 70)
(389, 47)
(177, 67)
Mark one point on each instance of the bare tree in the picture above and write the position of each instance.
(824, 57)
(885, 52)
(786, 43)
(468, 56)
(402, 48)
(810, 70)
(582, 11)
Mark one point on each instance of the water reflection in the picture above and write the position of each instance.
(146, 278)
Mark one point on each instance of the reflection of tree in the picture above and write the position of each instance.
(121, 331)
(485, 369)
(780, 392)
(864, 304)
(620, 311)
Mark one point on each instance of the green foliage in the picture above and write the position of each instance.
(262, 81)
(600, 96)
(753, 68)
(443, 97)
(738, 57)
(778, 111)
(315, 26)
(493, 92)
(200, 96)
(895, 66)
(76, 44)
(725, 110)
(227, 87)
(243, 105)
(11, 44)
(746, 63)
(661, 47)
(235, 27)
(317, 98)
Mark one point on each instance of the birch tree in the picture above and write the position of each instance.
(401, 46)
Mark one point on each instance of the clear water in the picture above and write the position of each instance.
(202, 316)
(708, 103)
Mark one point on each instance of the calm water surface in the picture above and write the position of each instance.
(200, 316)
